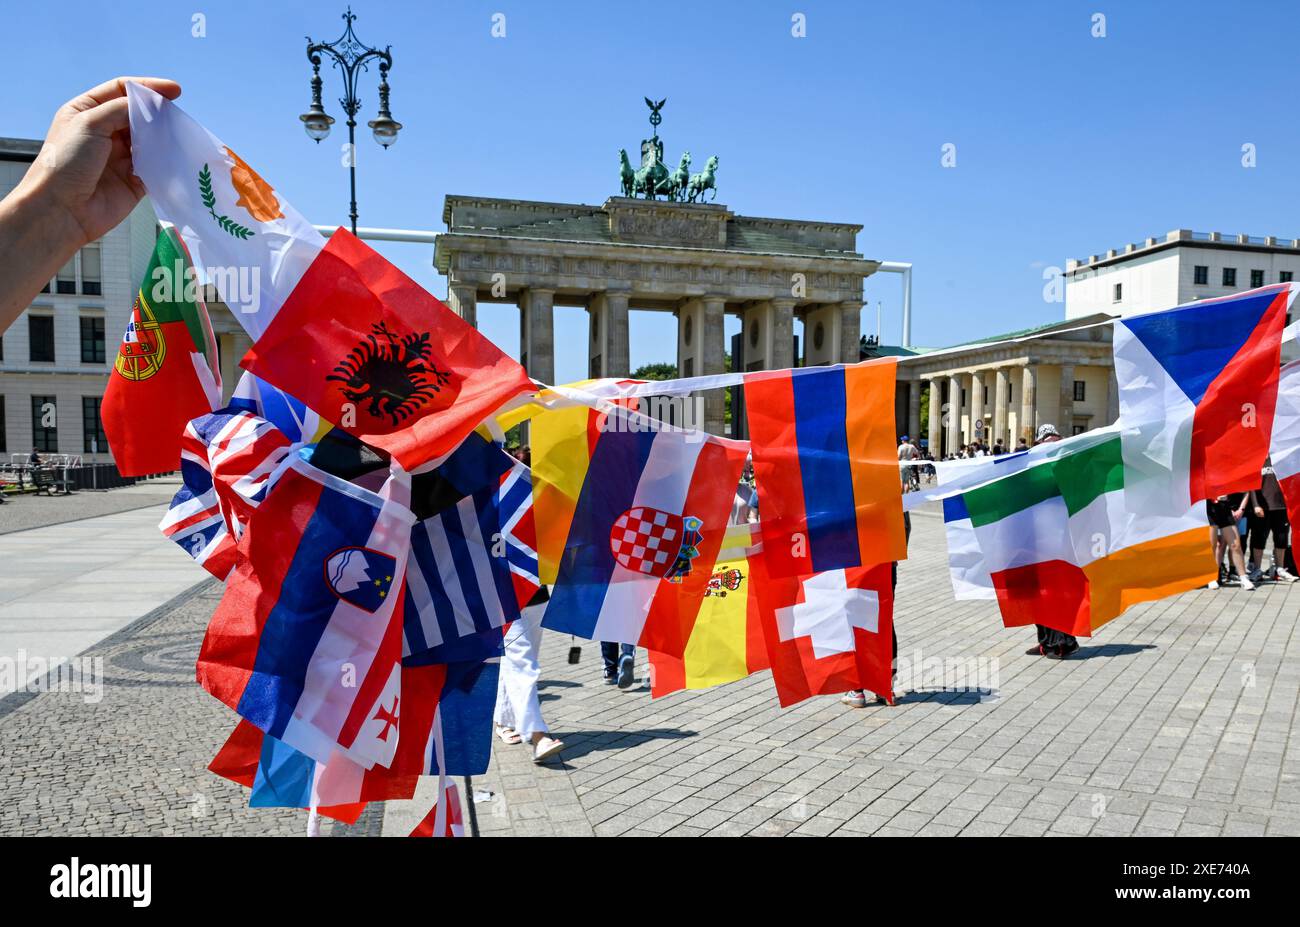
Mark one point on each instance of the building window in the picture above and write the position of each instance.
(1201, 274)
(4, 446)
(92, 339)
(963, 397)
(986, 396)
(40, 335)
(1080, 391)
(1077, 429)
(1119, 293)
(91, 283)
(1229, 276)
(1256, 278)
(45, 431)
(1284, 276)
(93, 439)
(65, 281)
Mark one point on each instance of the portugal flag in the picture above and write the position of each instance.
(166, 368)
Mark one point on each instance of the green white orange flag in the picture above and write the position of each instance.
(1063, 547)
(166, 368)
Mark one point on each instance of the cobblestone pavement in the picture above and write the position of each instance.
(21, 512)
(1179, 718)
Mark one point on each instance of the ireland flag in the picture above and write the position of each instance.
(1061, 545)
(166, 368)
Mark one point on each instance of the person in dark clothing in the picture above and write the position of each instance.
(857, 698)
(1268, 517)
(1053, 644)
(1224, 513)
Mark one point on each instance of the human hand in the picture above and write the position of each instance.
(1259, 511)
(82, 175)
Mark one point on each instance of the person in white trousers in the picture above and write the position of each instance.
(518, 712)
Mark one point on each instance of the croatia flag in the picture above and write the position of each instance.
(306, 641)
(1197, 392)
(826, 466)
(334, 324)
(645, 533)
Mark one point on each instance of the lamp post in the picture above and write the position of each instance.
(351, 57)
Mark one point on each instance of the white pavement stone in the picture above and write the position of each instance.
(68, 586)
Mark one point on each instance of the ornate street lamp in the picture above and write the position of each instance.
(351, 57)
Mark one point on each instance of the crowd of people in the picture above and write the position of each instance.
(1241, 525)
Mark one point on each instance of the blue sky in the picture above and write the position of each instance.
(1066, 144)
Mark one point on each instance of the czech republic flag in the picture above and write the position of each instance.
(826, 467)
(1198, 390)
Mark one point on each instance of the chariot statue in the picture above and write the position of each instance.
(654, 179)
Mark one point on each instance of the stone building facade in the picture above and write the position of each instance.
(1005, 388)
(700, 262)
(56, 356)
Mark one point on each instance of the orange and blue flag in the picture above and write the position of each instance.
(826, 467)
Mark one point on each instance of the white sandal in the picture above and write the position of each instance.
(546, 748)
(509, 735)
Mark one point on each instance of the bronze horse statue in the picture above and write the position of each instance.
(626, 174)
(705, 180)
(674, 188)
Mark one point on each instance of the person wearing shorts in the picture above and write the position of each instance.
(1268, 518)
(1224, 513)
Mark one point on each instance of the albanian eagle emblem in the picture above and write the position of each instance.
(394, 377)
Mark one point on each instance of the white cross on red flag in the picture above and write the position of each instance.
(829, 632)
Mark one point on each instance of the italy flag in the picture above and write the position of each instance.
(1065, 547)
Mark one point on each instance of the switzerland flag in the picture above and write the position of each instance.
(829, 632)
(368, 348)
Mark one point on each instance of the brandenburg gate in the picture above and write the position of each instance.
(695, 259)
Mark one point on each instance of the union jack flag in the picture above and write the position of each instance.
(229, 459)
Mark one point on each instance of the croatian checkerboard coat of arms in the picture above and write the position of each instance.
(654, 543)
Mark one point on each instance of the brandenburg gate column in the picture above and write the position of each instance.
(977, 431)
(782, 333)
(537, 333)
(1029, 404)
(850, 333)
(462, 299)
(607, 351)
(936, 416)
(713, 345)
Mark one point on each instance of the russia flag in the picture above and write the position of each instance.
(307, 638)
(1198, 390)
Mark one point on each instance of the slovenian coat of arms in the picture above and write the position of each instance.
(360, 576)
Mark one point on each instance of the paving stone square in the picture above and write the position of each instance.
(1176, 719)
